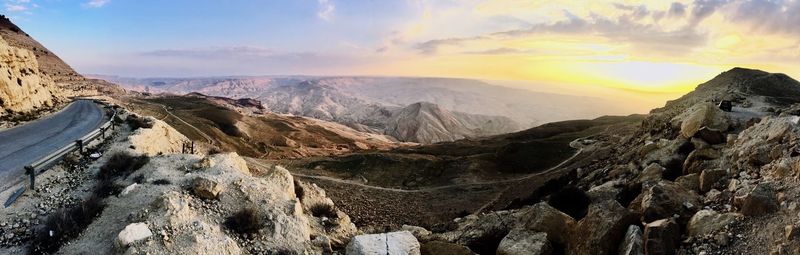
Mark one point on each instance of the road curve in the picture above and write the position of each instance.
(22, 145)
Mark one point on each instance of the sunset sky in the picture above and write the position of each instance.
(651, 46)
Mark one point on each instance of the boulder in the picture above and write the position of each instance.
(419, 232)
(132, 233)
(696, 161)
(541, 217)
(666, 199)
(652, 173)
(710, 136)
(206, 188)
(443, 248)
(128, 190)
(601, 230)
(661, 237)
(402, 242)
(521, 241)
(203, 163)
(632, 243)
(710, 177)
(701, 115)
(760, 201)
(689, 181)
(706, 222)
(605, 191)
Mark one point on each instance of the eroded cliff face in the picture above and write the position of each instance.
(23, 87)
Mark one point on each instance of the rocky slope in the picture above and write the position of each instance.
(428, 123)
(23, 86)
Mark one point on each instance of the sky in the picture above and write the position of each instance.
(652, 46)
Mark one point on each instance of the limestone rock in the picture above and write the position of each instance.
(666, 199)
(710, 177)
(761, 200)
(541, 217)
(689, 181)
(402, 242)
(706, 222)
(700, 115)
(204, 163)
(524, 242)
(710, 136)
(651, 173)
(632, 244)
(661, 237)
(23, 86)
(132, 233)
(160, 139)
(601, 230)
(206, 188)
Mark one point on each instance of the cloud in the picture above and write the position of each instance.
(326, 9)
(677, 9)
(769, 16)
(96, 3)
(500, 51)
(235, 52)
(16, 8)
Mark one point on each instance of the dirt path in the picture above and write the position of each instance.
(207, 137)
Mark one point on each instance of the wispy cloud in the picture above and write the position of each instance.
(16, 8)
(326, 10)
(96, 3)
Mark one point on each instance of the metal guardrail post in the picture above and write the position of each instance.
(103, 133)
(80, 145)
(32, 173)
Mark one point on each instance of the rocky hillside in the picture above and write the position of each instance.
(23, 86)
(65, 78)
(218, 123)
(428, 123)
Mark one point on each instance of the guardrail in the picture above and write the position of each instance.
(78, 145)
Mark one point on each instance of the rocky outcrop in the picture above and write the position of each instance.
(23, 87)
(161, 138)
(389, 243)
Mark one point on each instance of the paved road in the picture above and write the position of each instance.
(22, 145)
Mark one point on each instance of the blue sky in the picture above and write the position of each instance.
(652, 45)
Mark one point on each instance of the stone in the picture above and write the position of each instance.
(132, 233)
(666, 199)
(710, 136)
(419, 232)
(701, 115)
(206, 188)
(541, 217)
(652, 173)
(402, 242)
(128, 190)
(661, 237)
(607, 190)
(689, 181)
(203, 163)
(521, 241)
(760, 201)
(712, 196)
(323, 242)
(710, 177)
(632, 244)
(695, 162)
(601, 230)
(443, 248)
(730, 139)
(706, 222)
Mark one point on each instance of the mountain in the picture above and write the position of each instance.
(430, 123)
(366, 103)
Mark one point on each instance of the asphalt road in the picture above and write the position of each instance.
(22, 145)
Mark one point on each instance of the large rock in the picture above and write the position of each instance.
(761, 200)
(160, 139)
(541, 217)
(132, 233)
(206, 188)
(661, 237)
(666, 199)
(710, 136)
(701, 115)
(698, 160)
(652, 173)
(710, 177)
(601, 230)
(706, 222)
(524, 242)
(632, 243)
(402, 242)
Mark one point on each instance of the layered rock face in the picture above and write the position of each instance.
(23, 87)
